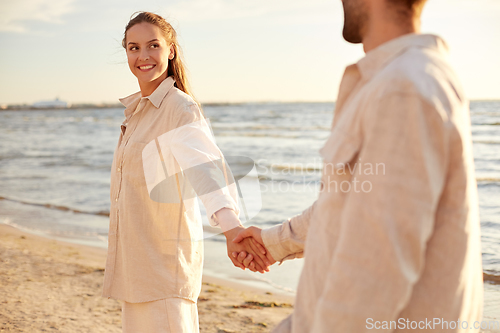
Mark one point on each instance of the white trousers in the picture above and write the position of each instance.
(170, 315)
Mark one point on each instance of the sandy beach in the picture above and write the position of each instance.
(53, 286)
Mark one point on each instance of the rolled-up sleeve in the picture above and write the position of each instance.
(286, 241)
(384, 231)
(193, 147)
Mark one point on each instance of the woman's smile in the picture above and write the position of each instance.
(146, 68)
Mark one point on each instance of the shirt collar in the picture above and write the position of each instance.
(130, 102)
(378, 58)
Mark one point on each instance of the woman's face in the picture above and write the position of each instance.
(148, 54)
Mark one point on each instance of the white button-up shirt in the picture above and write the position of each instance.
(165, 151)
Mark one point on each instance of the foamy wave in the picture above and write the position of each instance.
(486, 142)
(257, 135)
(57, 207)
(491, 278)
(487, 179)
(291, 167)
(296, 167)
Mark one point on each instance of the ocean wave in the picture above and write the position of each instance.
(57, 207)
(487, 179)
(257, 135)
(11, 153)
(295, 167)
(261, 127)
(90, 238)
(273, 284)
(488, 185)
(486, 124)
(491, 278)
(239, 126)
(288, 169)
(486, 142)
(489, 224)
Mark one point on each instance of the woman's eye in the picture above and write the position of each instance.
(133, 48)
(154, 46)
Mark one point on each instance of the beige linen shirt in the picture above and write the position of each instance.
(165, 151)
(394, 234)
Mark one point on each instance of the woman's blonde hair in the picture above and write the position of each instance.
(175, 66)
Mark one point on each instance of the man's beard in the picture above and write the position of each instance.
(355, 19)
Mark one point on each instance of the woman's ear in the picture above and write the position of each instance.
(172, 51)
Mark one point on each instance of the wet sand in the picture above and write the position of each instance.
(53, 286)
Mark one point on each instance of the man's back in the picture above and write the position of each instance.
(395, 233)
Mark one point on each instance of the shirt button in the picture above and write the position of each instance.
(118, 169)
(116, 199)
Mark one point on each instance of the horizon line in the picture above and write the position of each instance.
(6, 106)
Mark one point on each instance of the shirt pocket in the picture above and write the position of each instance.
(341, 147)
(132, 168)
(340, 160)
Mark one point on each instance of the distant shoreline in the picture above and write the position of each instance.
(85, 106)
(72, 107)
(24, 107)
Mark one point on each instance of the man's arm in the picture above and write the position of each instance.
(282, 242)
(287, 240)
(383, 234)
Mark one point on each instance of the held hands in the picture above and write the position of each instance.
(256, 259)
(253, 234)
(244, 246)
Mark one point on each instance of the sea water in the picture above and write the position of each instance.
(55, 169)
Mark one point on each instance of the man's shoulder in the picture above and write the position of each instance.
(424, 72)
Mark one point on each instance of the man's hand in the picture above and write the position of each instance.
(256, 252)
(256, 259)
(253, 233)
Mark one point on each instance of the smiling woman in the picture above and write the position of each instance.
(155, 249)
(153, 53)
(148, 55)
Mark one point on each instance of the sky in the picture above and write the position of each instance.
(235, 50)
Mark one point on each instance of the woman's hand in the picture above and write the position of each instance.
(256, 259)
(254, 234)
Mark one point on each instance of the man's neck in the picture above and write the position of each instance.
(381, 31)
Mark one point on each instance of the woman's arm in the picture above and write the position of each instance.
(194, 148)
